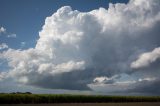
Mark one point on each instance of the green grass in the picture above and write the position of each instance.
(51, 98)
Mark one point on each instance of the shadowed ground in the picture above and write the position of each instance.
(88, 104)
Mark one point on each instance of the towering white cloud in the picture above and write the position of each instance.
(74, 47)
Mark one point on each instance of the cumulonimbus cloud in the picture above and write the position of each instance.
(74, 47)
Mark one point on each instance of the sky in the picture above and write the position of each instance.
(108, 47)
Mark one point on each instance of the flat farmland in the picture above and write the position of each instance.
(76, 100)
(88, 104)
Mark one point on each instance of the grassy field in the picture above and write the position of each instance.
(87, 104)
(49, 98)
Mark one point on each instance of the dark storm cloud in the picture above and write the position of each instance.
(145, 87)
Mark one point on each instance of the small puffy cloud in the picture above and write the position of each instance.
(2, 30)
(3, 46)
(146, 79)
(105, 80)
(12, 36)
(146, 59)
(76, 48)
(6, 33)
(101, 79)
(23, 43)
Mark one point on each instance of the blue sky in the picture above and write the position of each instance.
(86, 46)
